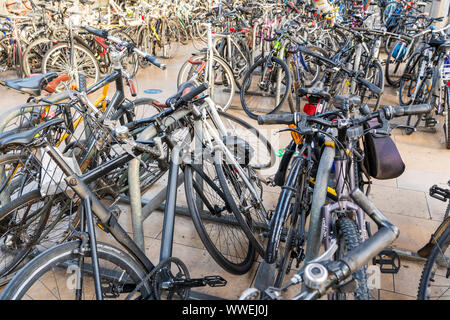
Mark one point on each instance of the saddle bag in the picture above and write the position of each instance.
(382, 158)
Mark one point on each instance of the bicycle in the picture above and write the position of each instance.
(434, 279)
(334, 272)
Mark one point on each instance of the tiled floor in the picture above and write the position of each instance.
(405, 200)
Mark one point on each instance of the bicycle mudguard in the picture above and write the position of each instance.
(425, 251)
(280, 176)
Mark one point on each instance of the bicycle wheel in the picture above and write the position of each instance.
(223, 88)
(184, 37)
(58, 274)
(388, 11)
(290, 203)
(265, 87)
(33, 56)
(435, 280)
(423, 95)
(263, 155)
(28, 221)
(214, 221)
(139, 109)
(396, 62)
(146, 43)
(311, 68)
(246, 208)
(446, 104)
(238, 58)
(58, 59)
(408, 81)
(21, 223)
(168, 45)
(375, 76)
(4, 54)
(348, 238)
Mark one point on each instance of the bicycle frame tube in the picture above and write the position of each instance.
(107, 219)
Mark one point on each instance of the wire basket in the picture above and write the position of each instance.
(82, 140)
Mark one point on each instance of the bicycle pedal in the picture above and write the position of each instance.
(215, 281)
(430, 122)
(439, 193)
(212, 281)
(388, 260)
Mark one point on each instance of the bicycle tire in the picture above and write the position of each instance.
(62, 257)
(348, 239)
(146, 42)
(281, 213)
(266, 157)
(374, 75)
(35, 50)
(223, 90)
(408, 80)
(94, 70)
(423, 96)
(15, 248)
(247, 81)
(393, 75)
(252, 221)
(209, 232)
(429, 271)
(446, 126)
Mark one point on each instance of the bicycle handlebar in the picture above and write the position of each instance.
(373, 88)
(388, 112)
(146, 56)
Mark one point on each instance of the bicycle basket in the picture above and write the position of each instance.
(382, 158)
(83, 142)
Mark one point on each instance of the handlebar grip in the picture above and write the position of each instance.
(285, 118)
(97, 32)
(194, 92)
(410, 110)
(155, 62)
(373, 88)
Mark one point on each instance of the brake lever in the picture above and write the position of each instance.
(402, 126)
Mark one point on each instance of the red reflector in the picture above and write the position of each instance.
(309, 109)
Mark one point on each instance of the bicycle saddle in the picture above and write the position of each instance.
(26, 137)
(188, 86)
(444, 45)
(33, 85)
(436, 42)
(346, 101)
(315, 90)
